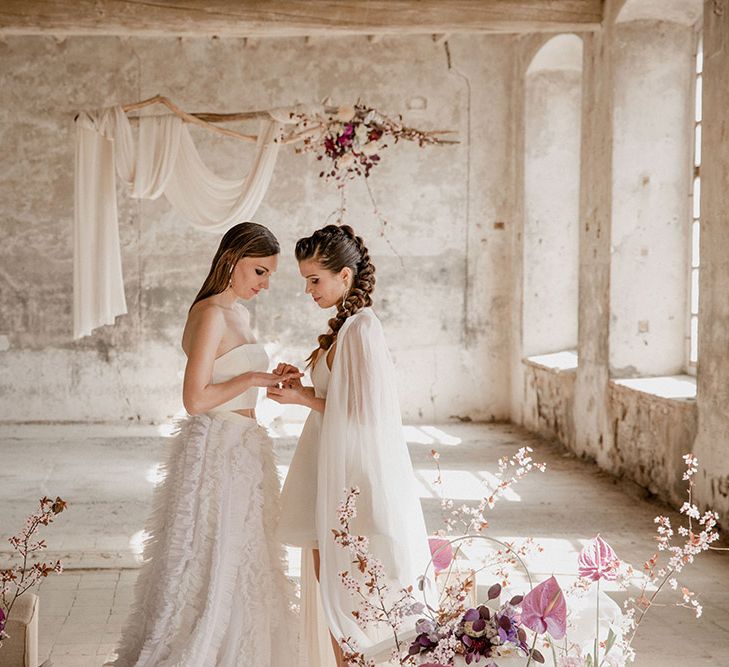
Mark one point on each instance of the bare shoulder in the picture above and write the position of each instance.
(204, 319)
(205, 312)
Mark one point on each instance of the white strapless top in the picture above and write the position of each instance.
(241, 359)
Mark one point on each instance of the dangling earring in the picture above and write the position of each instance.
(230, 274)
(346, 294)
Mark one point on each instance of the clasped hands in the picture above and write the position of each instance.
(290, 391)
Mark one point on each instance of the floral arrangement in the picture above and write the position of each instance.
(524, 628)
(349, 139)
(479, 633)
(18, 579)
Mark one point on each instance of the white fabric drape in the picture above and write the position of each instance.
(98, 286)
(362, 445)
(164, 160)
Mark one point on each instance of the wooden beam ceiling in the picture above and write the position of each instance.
(280, 18)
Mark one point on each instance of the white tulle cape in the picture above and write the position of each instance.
(362, 445)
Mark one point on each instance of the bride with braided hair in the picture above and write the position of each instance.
(352, 437)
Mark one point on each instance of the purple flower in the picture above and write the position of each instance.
(507, 621)
(442, 553)
(2, 620)
(544, 609)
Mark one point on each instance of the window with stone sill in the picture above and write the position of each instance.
(556, 361)
(552, 145)
(692, 335)
(674, 387)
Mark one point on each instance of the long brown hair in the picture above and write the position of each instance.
(246, 239)
(334, 248)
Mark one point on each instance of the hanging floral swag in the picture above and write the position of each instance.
(350, 139)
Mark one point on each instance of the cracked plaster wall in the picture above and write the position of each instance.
(443, 268)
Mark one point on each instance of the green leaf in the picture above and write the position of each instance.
(610, 641)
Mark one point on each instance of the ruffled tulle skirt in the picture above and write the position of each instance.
(212, 590)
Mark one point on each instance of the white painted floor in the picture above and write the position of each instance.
(106, 474)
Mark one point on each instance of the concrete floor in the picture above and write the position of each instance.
(107, 473)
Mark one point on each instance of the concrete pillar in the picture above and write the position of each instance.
(592, 427)
(712, 442)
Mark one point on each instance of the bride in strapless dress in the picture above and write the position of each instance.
(212, 590)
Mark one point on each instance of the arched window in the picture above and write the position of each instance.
(693, 318)
(553, 107)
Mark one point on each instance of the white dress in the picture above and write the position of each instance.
(298, 498)
(212, 590)
(358, 441)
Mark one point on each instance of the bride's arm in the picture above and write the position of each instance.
(297, 396)
(199, 394)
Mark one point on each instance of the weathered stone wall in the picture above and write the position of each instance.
(443, 264)
(549, 395)
(650, 436)
(628, 432)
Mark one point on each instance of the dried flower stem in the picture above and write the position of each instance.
(23, 577)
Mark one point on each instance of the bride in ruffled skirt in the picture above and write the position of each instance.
(212, 590)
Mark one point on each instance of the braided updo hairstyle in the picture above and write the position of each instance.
(334, 248)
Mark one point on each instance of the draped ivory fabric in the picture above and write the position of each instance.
(362, 444)
(163, 160)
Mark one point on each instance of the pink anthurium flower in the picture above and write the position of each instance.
(544, 609)
(598, 561)
(442, 553)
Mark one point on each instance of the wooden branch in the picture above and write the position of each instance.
(190, 118)
(229, 117)
(206, 120)
(296, 18)
(244, 115)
